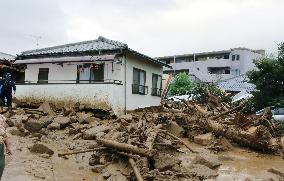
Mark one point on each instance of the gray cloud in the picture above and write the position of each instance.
(156, 28)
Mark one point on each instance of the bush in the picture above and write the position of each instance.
(181, 85)
(201, 95)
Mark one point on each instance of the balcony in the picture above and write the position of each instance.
(156, 92)
(139, 89)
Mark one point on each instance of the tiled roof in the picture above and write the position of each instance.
(99, 44)
(5, 56)
(237, 84)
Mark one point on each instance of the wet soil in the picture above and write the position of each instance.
(238, 164)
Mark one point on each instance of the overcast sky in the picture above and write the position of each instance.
(153, 27)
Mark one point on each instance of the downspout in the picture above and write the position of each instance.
(125, 85)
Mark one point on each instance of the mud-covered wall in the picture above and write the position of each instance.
(103, 96)
(134, 101)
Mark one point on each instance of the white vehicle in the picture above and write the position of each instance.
(179, 98)
(278, 113)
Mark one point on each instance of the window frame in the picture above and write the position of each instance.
(42, 70)
(156, 91)
(136, 88)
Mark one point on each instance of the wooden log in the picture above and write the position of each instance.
(228, 112)
(277, 172)
(81, 151)
(152, 137)
(135, 169)
(125, 147)
(180, 140)
(257, 138)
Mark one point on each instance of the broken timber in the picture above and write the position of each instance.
(135, 169)
(125, 147)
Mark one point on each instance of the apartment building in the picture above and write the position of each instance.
(213, 66)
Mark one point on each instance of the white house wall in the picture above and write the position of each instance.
(134, 101)
(119, 97)
(102, 96)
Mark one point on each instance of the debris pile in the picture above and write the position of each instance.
(147, 143)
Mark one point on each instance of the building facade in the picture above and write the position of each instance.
(103, 73)
(213, 66)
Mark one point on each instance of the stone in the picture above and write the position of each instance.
(53, 126)
(66, 111)
(92, 133)
(82, 117)
(72, 131)
(46, 108)
(73, 119)
(98, 168)
(208, 160)
(15, 131)
(17, 119)
(204, 139)
(62, 121)
(165, 162)
(34, 125)
(46, 120)
(41, 149)
(77, 136)
(175, 129)
(126, 117)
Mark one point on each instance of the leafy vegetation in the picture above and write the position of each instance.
(269, 80)
(180, 85)
(201, 94)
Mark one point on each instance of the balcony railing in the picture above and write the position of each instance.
(41, 82)
(156, 92)
(139, 89)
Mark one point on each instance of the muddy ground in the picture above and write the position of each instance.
(237, 164)
(187, 142)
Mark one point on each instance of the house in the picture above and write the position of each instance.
(213, 66)
(238, 86)
(101, 73)
(6, 65)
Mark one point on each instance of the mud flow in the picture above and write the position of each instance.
(176, 141)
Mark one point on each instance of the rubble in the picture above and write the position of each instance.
(41, 149)
(204, 139)
(146, 143)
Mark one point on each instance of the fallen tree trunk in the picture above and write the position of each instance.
(152, 137)
(135, 169)
(257, 138)
(125, 147)
(82, 151)
(228, 111)
(180, 140)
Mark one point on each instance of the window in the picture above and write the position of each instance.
(227, 71)
(226, 56)
(90, 73)
(235, 57)
(156, 85)
(238, 57)
(139, 81)
(43, 75)
(236, 72)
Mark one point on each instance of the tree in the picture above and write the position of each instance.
(269, 80)
(180, 85)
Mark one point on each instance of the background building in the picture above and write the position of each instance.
(213, 66)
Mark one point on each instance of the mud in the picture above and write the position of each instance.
(155, 145)
(238, 164)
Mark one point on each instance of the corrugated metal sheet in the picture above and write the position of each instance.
(237, 84)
